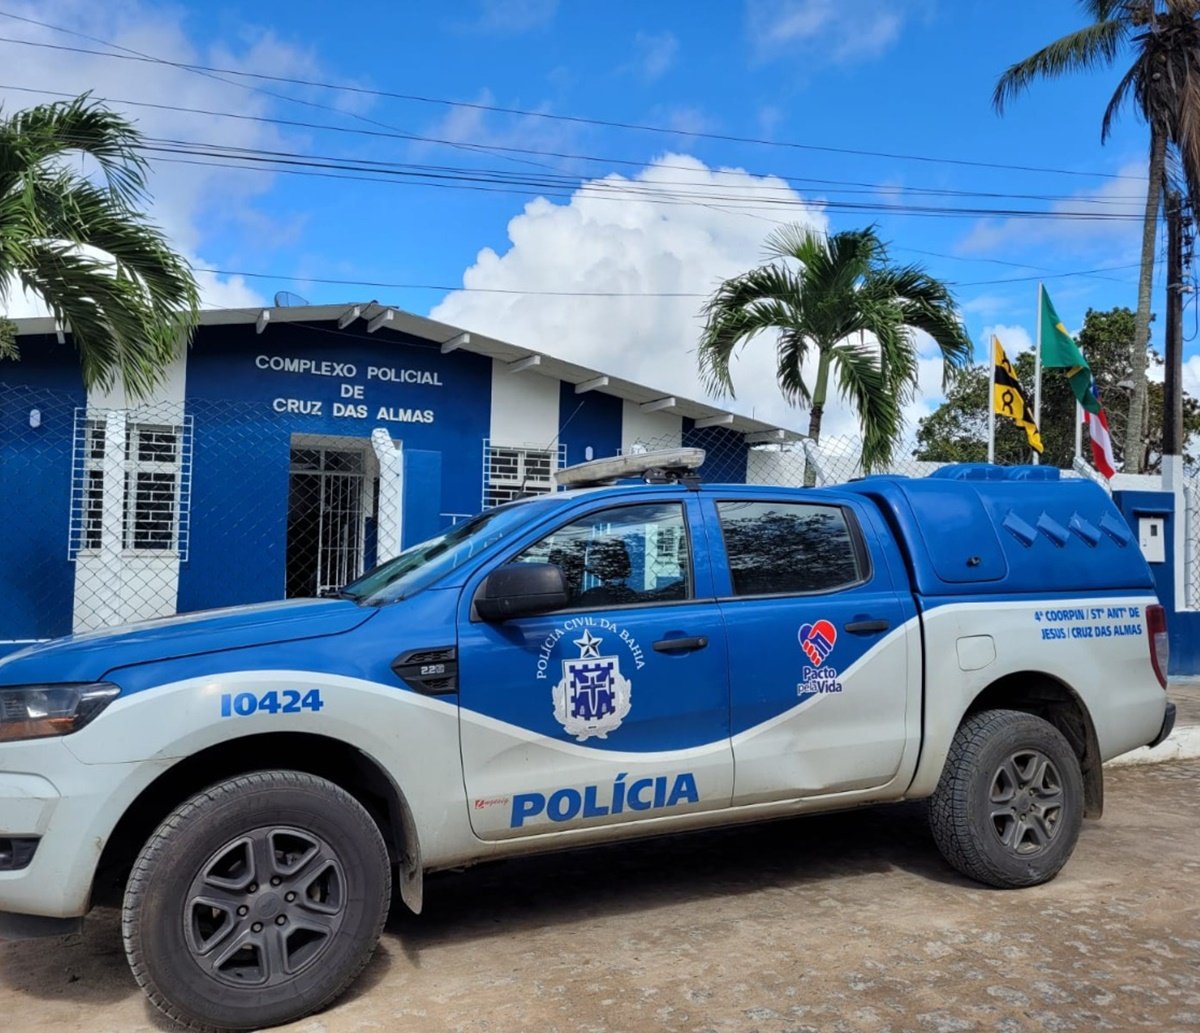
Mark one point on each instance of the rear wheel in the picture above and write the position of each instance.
(256, 902)
(1009, 805)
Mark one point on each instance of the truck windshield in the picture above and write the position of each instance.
(420, 565)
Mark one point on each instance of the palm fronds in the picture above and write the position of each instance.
(85, 248)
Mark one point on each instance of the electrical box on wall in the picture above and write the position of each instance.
(1152, 538)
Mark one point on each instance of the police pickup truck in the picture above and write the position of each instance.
(574, 668)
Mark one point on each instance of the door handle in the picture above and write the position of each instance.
(869, 627)
(681, 645)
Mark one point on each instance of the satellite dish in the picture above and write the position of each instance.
(286, 299)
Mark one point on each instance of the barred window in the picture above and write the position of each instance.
(142, 491)
(513, 472)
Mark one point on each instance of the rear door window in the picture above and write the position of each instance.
(789, 548)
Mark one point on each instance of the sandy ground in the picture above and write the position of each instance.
(847, 922)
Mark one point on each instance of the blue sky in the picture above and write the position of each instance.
(905, 77)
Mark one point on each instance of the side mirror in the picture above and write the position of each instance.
(521, 590)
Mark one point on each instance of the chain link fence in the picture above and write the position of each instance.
(120, 515)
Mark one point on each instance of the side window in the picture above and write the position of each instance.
(783, 548)
(621, 556)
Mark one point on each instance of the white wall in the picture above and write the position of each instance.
(662, 429)
(113, 585)
(524, 407)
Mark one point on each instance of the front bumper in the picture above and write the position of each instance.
(69, 808)
(1167, 726)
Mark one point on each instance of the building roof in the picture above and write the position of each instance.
(452, 338)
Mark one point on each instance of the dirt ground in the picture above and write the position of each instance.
(847, 922)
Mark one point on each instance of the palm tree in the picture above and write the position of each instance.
(1164, 82)
(84, 248)
(835, 298)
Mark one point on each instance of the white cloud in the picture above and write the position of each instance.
(594, 244)
(1191, 376)
(200, 209)
(832, 30)
(656, 53)
(512, 17)
(1014, 339)
(1106, 241)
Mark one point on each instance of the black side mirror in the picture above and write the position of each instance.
(521, 590)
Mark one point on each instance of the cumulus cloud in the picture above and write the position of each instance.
(832, 30)
(1191, 376)
(655, 54)
(1014, 339)
(193, 204)
(636, 246)
(1115, 235)
(512, 17)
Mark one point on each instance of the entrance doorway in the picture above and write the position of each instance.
(327, 510)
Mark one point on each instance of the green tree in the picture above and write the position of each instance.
(1164, 82)
(838, 300)
(82, 245)
(956, 431)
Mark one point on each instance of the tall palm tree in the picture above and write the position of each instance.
(82, 245)
(1164, 82)
(837, 299)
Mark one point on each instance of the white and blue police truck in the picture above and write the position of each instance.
(600, 663)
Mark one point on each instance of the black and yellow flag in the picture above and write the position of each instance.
(1007, 399)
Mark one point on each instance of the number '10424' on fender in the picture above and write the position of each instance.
(289, 701)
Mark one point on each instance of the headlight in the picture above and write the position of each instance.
(37, 711)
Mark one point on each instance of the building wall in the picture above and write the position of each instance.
(248, 395)
(650, 430)
(590, 420)
(524, 407)
(36, 577)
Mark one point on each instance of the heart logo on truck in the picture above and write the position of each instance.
(817, 641)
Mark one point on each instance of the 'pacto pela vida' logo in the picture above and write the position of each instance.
(817, 640)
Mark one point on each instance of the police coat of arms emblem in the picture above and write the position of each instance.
(593, 698)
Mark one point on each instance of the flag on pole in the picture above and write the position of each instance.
(1060, 351)
(1007, 397)
(1097, 425)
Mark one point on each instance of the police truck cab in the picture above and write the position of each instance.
(609, 661)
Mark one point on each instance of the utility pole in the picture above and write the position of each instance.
(1172, 388)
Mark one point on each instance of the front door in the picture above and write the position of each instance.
(824, 650)
(613, 709)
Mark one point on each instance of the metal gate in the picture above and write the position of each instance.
(326, 519)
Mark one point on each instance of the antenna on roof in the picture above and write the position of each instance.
(286, 299)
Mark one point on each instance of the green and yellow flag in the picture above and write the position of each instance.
(1007, 397)
(1059, 350)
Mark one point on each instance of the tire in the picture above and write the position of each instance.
(200, 888)
(1009, 804)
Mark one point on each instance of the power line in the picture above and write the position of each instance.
(528, 113)
(794, 182)
(585, 294)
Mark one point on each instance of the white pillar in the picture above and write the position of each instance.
(388, 532)
(107, 580)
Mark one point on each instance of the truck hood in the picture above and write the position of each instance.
(89, 656)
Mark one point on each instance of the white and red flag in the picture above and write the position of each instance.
(1097, 425)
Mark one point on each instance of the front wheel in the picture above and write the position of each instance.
(1009, 805)
(256, 902)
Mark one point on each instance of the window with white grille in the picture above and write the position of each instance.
(137, 490)
(514, 471)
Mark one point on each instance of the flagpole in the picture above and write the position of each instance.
(991, 404)
(1078, 431)
(1037, 376)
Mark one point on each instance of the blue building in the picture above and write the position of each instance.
(288, 450)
